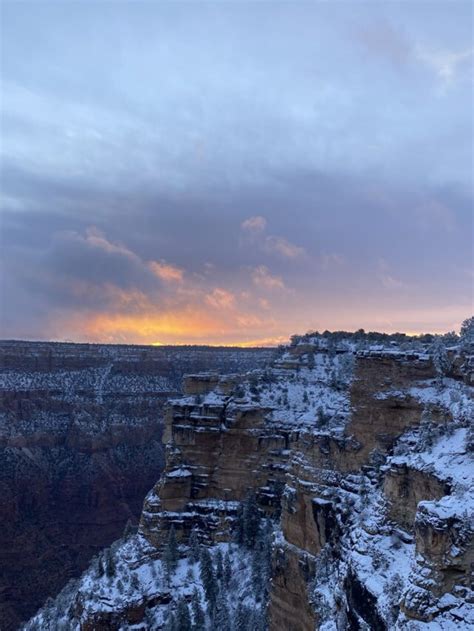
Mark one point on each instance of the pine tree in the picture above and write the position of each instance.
(227, 569)
(331, 347)
(100, 566)
(135, 583)
(199, 619)
(467, 334)
(183, 619)
(170, 553)
(242, 618)
(170, 624)
(426, 433)
(251, 620)
(129, 530)
(194, 545)
(109, 563)
(440, 358)
(260, 620)
(221, 618)
(256, 568)
(239, 525)
(251, 520)
(364, 491)
(219, 565)
(266, 556)
(322, 418)
(207, 576)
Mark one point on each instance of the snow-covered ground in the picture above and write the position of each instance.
(138, 577)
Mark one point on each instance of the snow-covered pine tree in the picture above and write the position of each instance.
(194, 545)
(170, 624)
(221, 618)
(208, 577)
(219, 562)
(100, 566)
(170, 553)
(440, 358)
(135, 583)
(129, 529)
(199, 618)
(109, 563)
(251, 520)
(426, 432)
(266, 550)
(467, 334)
(256, 621)
(239, 525)
(183, 619)
(261, 559)
(346, 369)
(227, 569)
(242, 618)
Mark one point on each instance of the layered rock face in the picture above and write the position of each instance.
(363, 462)
(216, 452)
(80, 441)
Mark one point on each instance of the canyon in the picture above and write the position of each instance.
(336, 484)
(81, 445)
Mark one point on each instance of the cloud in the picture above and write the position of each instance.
(221, 299)
(61, 274)
(254, 224)
(262, 277)
(386, 278)
(433, 214)
(90, 257)
(166, 271)
(330, 260)
(97, 239)
(447, 64)
(254, 229)
(383, 39)
(283, 247)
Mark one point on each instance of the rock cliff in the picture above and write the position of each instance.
(357, 465)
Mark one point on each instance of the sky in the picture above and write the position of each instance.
(234, 172)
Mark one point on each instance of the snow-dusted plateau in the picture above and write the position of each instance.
(328, 486)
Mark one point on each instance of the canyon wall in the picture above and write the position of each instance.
(362, 461)
(80, 446)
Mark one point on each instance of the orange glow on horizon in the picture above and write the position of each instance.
(185, 326)
(215, 319)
